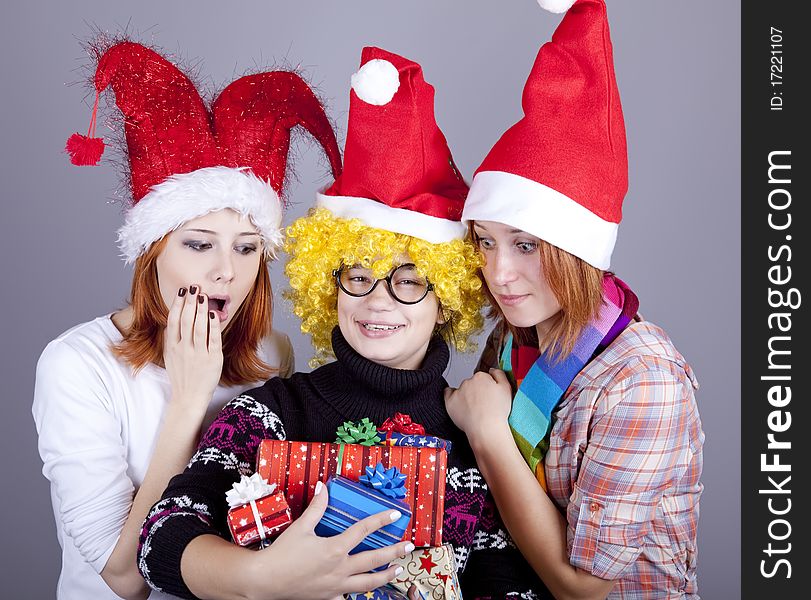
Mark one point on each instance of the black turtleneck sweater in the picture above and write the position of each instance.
(310, 407)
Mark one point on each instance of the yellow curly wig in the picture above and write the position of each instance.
(320, 242)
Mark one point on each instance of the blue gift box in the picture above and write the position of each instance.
(350, 502)
(394, 438)
(382, 593)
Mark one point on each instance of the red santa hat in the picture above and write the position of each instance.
(399, 174)
(561, 172)
(187, 160)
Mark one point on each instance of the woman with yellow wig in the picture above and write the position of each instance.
(383, 280)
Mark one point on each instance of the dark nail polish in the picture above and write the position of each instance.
(181, 292)
(201, 298)
(193, 289)
(211, 314)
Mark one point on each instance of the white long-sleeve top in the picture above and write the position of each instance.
(98, 425)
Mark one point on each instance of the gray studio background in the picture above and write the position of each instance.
(678, 68)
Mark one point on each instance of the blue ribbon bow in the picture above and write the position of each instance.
(389, 482)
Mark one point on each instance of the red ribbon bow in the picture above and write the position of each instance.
(401, 423)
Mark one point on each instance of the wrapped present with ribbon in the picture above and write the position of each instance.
(400, 430)
(363, 433)
(257, 512)
(432, 571)
(378, 489)
(296, 467)
(386, 592)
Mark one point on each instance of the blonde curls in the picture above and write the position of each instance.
(320, 242)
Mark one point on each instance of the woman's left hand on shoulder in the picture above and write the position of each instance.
(480, 403)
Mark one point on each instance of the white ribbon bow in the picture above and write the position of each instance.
(247, 491)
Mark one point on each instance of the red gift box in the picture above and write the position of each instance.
(274, 513)
(296, 467)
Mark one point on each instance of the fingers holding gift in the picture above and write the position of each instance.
(370, 560)
(314, 511)
(364, 582)
(359, 531)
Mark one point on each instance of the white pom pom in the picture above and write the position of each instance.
(376, 82)
(556, 6)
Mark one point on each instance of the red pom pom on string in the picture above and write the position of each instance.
(84, 151)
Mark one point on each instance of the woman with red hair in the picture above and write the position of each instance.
(583, 417)
(120, 401)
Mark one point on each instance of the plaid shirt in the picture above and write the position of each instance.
(624, 465)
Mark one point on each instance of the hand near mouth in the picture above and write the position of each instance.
(192, 349)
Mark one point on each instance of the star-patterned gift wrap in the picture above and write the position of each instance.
(393, 438)
(296, 467)
(400, 430)
(382, 593)
(350, 501)
(273, 511)
(432, 571)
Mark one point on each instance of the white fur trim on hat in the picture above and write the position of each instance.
(556, 6)
(376, 82)
(397, 220)
(543, 212)
(187, 196)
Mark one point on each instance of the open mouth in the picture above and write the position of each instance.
(217, 304)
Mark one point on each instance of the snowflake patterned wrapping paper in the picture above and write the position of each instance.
(274, 512)
(296, 467)
(432, 571)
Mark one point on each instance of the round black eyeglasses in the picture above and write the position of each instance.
(403, 283)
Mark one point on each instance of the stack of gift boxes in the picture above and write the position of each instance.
(368, 469)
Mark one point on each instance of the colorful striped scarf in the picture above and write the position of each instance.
(541, 381)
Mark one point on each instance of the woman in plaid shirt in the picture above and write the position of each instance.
(596, 401)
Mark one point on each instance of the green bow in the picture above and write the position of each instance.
(363, 432)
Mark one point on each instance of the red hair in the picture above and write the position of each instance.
(143, 341)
